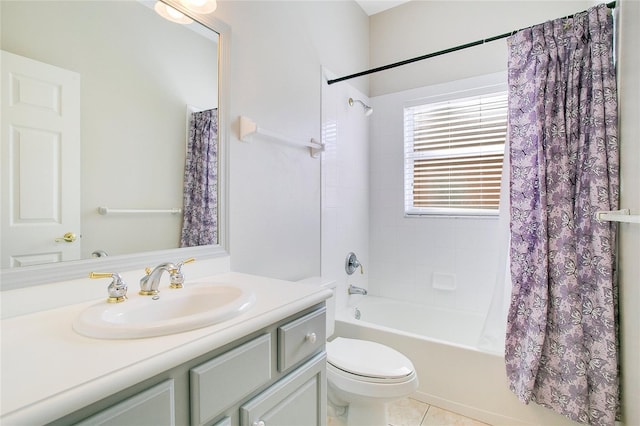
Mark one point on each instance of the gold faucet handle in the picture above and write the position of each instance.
(95, 275)
(117, 288)
(184, 262)
(177, 277)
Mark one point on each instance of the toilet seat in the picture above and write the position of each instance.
(368, 361)
(359, 369)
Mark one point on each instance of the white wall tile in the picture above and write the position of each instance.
(345, 206)
(419, 247)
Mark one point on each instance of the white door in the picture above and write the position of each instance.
(40, 152)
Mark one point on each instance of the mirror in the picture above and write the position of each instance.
(141, 77)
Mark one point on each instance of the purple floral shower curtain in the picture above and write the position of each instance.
(561, 347)
(200, 216)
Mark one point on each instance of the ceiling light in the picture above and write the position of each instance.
(173, 15)
(200, 6)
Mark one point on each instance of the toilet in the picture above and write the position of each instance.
(363, 376)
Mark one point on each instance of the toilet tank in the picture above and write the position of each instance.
(331, 301)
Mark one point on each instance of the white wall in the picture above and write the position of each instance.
(421, 27)
(277, 53)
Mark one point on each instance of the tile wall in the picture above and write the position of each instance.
(344, 187)
(445, 262)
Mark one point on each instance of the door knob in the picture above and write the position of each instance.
(69, 237)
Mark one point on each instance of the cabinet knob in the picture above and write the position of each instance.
(259, 423)
(311, 337)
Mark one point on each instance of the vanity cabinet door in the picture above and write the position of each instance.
(153, 407)
(298, 399)
(229, 378)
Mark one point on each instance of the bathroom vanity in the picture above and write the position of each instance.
(265, 366)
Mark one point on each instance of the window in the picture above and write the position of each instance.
(453, 155)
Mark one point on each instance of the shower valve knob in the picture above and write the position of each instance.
(352, 263)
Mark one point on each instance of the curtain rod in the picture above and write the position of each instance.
(610, 5)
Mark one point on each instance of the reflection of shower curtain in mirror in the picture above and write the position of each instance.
(200, 216)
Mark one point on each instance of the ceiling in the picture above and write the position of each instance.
(371, 7)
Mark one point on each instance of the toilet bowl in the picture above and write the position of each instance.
(363, 376)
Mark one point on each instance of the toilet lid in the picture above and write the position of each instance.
(368, 359)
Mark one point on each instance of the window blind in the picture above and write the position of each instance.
(453, 155)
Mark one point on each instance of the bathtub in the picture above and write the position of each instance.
(442, 344)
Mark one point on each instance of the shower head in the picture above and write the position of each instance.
(367, 109)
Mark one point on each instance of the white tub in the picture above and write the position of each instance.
(453, 373)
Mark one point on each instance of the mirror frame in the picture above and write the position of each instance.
(15, 278)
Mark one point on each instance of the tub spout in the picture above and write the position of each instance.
(356, 290)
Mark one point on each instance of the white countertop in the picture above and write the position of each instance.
(48, 370)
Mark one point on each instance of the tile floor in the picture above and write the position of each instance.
(410, 412)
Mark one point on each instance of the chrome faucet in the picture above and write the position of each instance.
(150, 282)
(356, 290)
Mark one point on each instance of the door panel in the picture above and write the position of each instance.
(40, 162)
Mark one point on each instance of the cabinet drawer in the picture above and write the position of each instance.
(301, 338)
(299, 399)
(219, 383)
(154, 406)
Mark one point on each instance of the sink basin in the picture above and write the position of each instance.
(173, 311)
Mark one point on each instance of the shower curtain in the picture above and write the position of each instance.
(200, 216)
(561, 347)
(494, 328)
